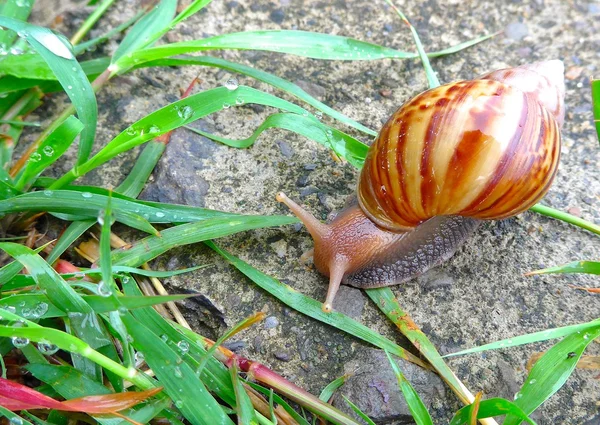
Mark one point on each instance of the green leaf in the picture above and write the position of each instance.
(141, 34)
(50, 150)
(312, 308)
(532, 337)
(146, 249)
(551, 371)
(415, 404)
(589, 267)
(16, 9)
(347, 146)
(332, 387)
(58, 54)
(179, 380)
(265, 77)
(488, 409)
(244, 408)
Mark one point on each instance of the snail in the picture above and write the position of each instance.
(452, 156)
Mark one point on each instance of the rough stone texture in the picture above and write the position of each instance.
(480, 295)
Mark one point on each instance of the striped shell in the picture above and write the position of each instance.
(486, 148)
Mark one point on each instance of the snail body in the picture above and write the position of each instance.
(482, 149)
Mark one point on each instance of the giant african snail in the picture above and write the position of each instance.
(487, 148)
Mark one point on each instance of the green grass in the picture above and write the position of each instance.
(92, 331)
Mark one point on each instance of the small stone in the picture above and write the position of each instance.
(310, 167)
(285, 148)
(234, 346)
(573, 72)
(302, 181)
(283, 356)
(516, 31)
(271, 322)
(277, 16)
(305, 191)
(385, 92)
(350, 301)
(576, 211)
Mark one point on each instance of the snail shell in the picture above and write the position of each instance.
(482, 148)
(486, 148)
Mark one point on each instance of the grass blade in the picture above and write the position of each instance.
(15, 9)
(566, 217)
(589, 267)
(415, 404)
(488, 409)
(146, 249)
(551, 371)
(58, 54)
(332, 387)
(141, 34)
(243, 408)
(91, 21)
(359, 412)
(312, 308)
(596, 104)
(265, 77)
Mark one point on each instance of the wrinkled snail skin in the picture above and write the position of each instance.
(450, 157)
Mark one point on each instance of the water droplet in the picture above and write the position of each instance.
(48, 192)
(70, 87)
(154, 129)
(16, 51)
(183, 346)
(533, 381)
(122, 310)
(19, 342)
(48, 150)
(518, 396)
(104, 289)
(23, 34)
(586, 336)
(55, 44)
(319, 115)
(35, 157)
(86, 195)
(40, 309)
(101, 218)
(185, 112)
(231, 84)
(179, 404)
(177, 372)
(47, 349)
(125, 279)
(130, 131)
(11, 309)
(164, 338)
(239, 101)
(160, 214)
(74, 69)
(16, 420)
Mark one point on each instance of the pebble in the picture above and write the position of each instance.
(516, 30)
(271, 322)
(285, 148)
(283, 356)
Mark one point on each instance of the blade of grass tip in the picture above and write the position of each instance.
(244, 408)
(312, 308)
(531, 338)
(551, 371)
(265, 77)
(58, 54)
(91, 21)
(359, 412)
(589, 267)
(415, 404)
(141, 34)
(179, 380)
(332, 387)
(596, 104)
(431, 77)
(388, 304)
(82, 47)
(566, 217)
(246, 323)
(488, 409)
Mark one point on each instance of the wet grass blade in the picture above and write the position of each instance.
(551, 371)
(265, 77)
(68, 237)
(91, 21)
(50, 150)
(332, 387)
(312, 308)
(173, 116)
(141, 34)
(146, 249)
(58, 54)
(589, 267)
(243, 408)
(300, 43)
(532, 337)
(415, 404)
(15, 9)
(359, 412)
(596, 104)
(344, 145)
(179, 380)
(488, 409)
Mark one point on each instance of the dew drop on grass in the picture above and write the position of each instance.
(19, 342)
(177, 372)
(164, 338)
(533, 381)
(239, 101)
(160, 214)
(130, 131)
(226, 106)
(55, 44)
(101, 218)
(40, 309)
(47, 349)
(104, 289)
(154, 129)
(122, 310)
(586, 336)
(183, 346)
(185, 112)
(231, 84)
(48, 192)
(518, 396)
(86, 195)
(23, 34)
(11, 309)
(48, 150)
(35, 157)
(70, 87)
(179, 404)
(319, 115)
(15, 420)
